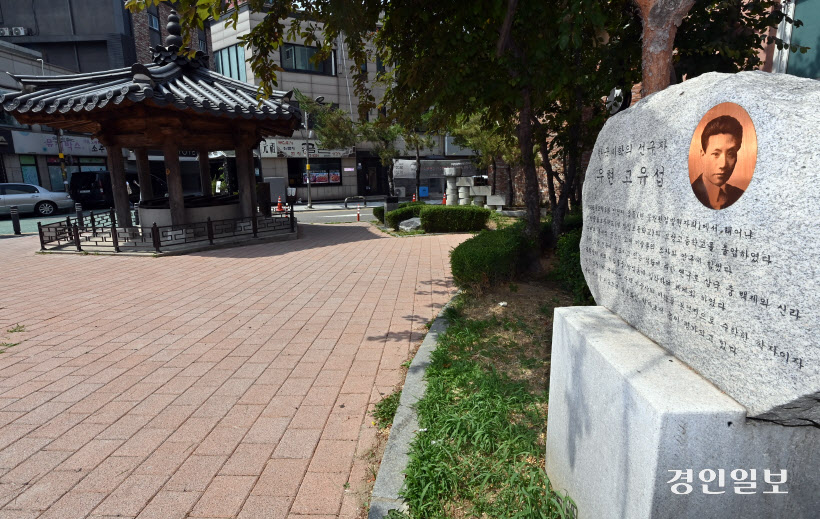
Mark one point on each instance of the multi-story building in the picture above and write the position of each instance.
(335, 173)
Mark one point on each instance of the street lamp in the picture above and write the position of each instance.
(307, 151)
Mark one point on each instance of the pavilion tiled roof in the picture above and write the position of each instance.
(184, 83)
(177, 79)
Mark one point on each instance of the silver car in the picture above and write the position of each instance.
(32, 199)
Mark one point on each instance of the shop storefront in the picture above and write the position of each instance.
(36, 158)
(332, 173)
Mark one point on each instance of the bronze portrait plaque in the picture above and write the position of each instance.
(722, 156)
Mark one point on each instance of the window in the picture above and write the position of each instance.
(203, 45)
(231, 62)
(364, 67)
(323, 172)
(153, 22)
(20, 190)
(28, 165)
(297, 58)
(379, 64)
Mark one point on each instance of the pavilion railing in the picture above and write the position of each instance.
(99, 232)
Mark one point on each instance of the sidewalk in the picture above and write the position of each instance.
(230, 383)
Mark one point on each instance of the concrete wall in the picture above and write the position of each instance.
(18, 60)
(81, 35)
(275, 167)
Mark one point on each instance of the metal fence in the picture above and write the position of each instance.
(99, 232)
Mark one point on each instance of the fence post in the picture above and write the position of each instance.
(93, 224)
(42, 238)
(155, 236)
(292, 221)
(77, 238)
(254, 225)
(15, 219)
(78, 209)
(115, 239)
(68, 228)
(210, 225)
(137, 213)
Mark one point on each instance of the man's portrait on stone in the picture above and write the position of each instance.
(722, 158)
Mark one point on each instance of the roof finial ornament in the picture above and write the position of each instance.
(174, 32)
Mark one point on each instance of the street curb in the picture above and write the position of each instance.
(390, 479)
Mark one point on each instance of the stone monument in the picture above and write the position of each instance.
(701, 367)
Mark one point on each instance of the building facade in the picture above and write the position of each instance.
(335, 174)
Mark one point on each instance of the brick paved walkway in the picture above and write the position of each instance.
(231, 383)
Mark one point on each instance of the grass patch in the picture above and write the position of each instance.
(386, 409)
(17, 328)
(6, 345)
(480, 448)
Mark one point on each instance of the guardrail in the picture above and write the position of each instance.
(99, 232)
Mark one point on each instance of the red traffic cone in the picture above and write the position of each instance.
(279, 207)
(358, 213)
(444, 200)
(414, 197)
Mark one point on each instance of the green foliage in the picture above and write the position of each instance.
(385, 410)
(394, 218)
(442, 218)
(478, 445)
(17, 328)
(489, 257)
(378, 212)
(727, 36)
(568, 270)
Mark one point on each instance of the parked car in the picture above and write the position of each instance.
(93, 188)
(32, 199)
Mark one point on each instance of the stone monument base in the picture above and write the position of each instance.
(623, 412)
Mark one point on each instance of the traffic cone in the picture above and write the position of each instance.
(279, 207)
(358, 213)
(444, 200)
(414, 197)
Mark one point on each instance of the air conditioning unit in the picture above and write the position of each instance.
(400, 191)
(19, 31)
(5, 31)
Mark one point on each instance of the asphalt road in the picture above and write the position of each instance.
(28, 224)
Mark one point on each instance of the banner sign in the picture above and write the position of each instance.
(46, 144)
(296, 148)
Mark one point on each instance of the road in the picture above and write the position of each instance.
(320, 214)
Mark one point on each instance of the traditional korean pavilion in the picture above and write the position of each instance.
(175, 103)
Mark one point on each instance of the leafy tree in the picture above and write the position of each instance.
(490, 140)
(383, 136)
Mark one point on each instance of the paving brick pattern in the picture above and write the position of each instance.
(230, 383)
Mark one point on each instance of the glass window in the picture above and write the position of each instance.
(230, 62)
(153, 22)
(808, 35)
(297, 58)
(28, 165)
(20, 190)
(203, 45)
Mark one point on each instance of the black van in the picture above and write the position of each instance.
(93, 188)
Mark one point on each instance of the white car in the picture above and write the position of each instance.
(32, 199)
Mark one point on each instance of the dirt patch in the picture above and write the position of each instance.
(523, 314)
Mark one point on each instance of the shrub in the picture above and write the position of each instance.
(489, 257)
(441, 218)
(408, 204)
(568, 270)
(378, 212)
(394, 218)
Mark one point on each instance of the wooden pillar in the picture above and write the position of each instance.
(144, 172)
(245, 177)
(204, 171)
(174, 178)
(118, 188)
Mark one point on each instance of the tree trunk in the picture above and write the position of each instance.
(390, 186)
(495, 173)
(531, 191)
(571, 172)
(661, 19)
(418, 172)
(545, 158)
(510, 185)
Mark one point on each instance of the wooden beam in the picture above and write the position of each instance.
(174, 178)
(144, 172)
